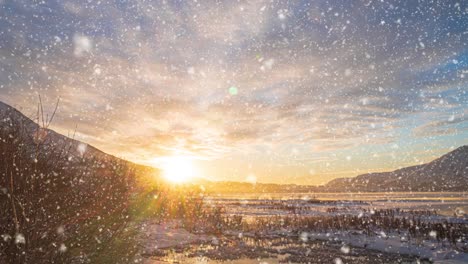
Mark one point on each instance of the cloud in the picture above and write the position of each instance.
(447, 124)
(144, 79)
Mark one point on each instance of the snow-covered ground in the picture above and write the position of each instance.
(440, 207)
(396, 243)
(157, 238)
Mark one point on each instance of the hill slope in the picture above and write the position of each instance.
(57, 193)
(447, 173)
(32, 136)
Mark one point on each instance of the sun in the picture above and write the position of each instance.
(178, 169)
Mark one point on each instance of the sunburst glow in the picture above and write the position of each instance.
(179, 169)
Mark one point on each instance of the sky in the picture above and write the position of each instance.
(266, 91)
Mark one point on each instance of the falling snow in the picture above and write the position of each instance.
(255, 131)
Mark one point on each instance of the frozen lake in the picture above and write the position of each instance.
(445, 203)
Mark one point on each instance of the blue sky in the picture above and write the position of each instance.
(326, 89)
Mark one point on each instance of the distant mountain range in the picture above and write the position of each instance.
(447, 173)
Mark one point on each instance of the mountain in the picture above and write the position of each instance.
(55, 190)
(35, 138)
(447, 173)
